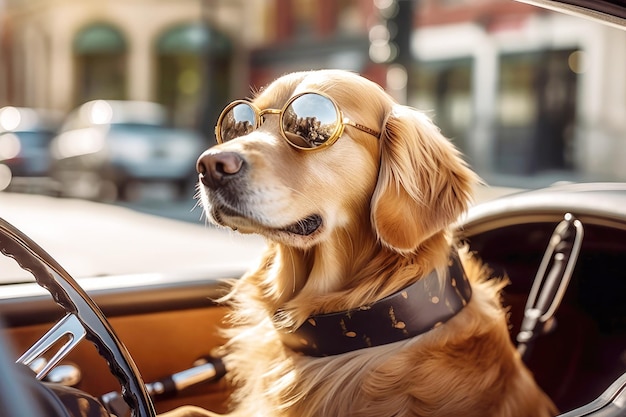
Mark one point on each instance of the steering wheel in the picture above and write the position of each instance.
(83, 319)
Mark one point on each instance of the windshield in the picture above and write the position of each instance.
(530, 96)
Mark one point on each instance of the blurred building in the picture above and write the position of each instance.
(59, 54)
(520, 90)
(191, 55)
(315, 34)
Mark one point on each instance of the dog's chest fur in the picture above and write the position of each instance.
(465, 367)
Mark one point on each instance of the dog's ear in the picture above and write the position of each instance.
(423, 183)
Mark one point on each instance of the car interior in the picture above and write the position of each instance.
(584, 352)
(171, 331)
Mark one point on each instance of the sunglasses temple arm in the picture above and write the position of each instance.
(361, 127)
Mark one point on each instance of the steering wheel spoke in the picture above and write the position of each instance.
(68, 330)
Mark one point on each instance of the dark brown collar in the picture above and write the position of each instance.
(413, 310)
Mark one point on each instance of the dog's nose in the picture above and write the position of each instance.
(217, 167)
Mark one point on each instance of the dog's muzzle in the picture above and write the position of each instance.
(224, 176)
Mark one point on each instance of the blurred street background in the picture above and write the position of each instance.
(114, 100)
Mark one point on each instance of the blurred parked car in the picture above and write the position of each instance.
(25, 136)
(105, 149)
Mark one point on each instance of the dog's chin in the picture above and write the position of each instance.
(302, 233)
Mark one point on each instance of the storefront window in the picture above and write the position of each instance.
(443, 89)
(193, 74)
(100, 52)
(536, 112)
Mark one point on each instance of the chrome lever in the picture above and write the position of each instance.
(551, 281)
(205, 369)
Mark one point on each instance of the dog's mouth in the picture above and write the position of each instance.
(306, 226)
(226, 216)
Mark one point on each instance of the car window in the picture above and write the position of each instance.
(32, 139)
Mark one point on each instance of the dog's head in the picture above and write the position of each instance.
(393, 173)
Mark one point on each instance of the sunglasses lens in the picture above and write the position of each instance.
(310, 121)
(237, 121)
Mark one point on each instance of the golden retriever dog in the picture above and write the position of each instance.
(362, 305)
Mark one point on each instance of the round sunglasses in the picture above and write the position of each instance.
(308, 121)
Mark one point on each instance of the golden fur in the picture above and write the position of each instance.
(386, 206)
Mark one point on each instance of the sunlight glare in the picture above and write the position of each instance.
(10, 118)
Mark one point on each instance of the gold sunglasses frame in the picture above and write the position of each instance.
(258, 114)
